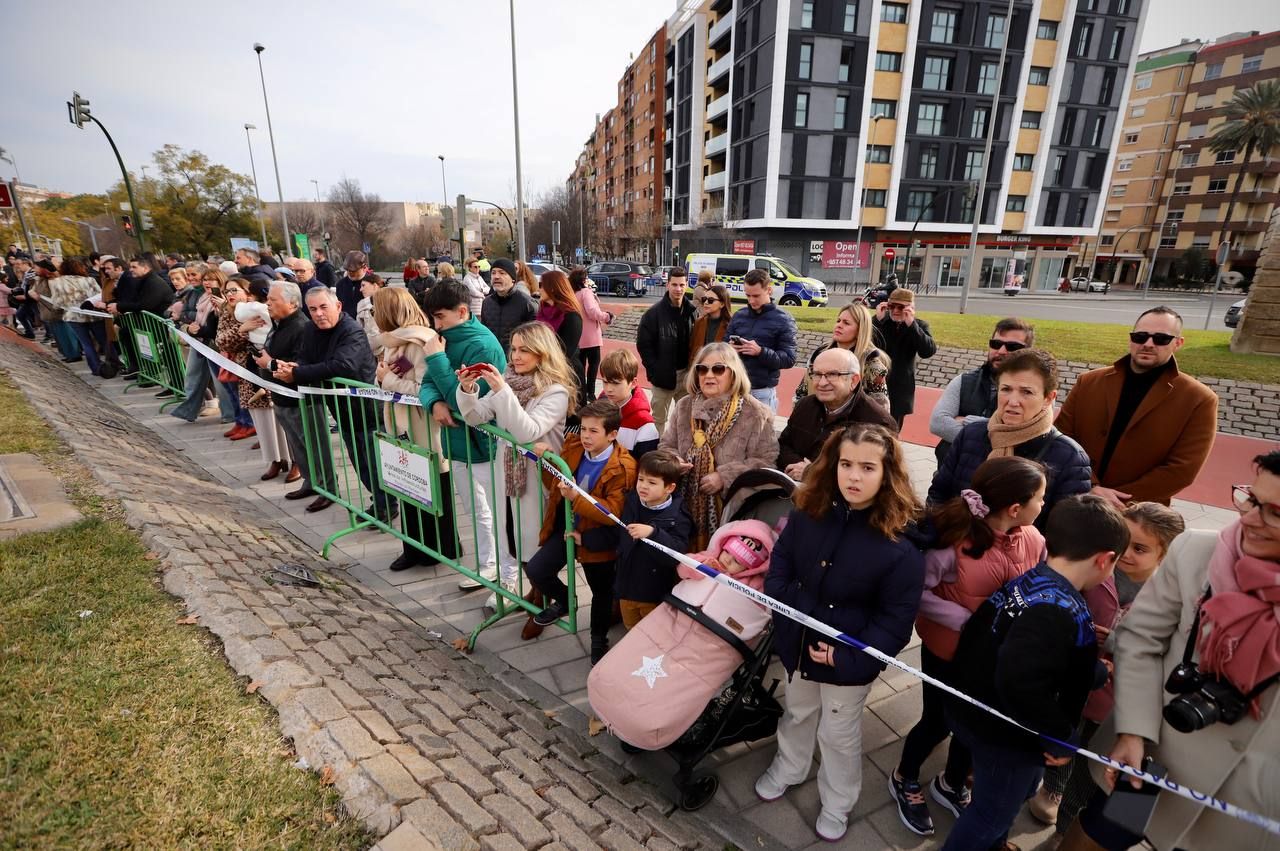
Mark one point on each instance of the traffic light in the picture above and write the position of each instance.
(128, 224)
(78, 110)
(146, 222)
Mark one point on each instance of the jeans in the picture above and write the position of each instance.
(64, 337)
(240, 414)
(200, 375)
(89, 335)
(27, 316)
(932, 729)
(290, 419)
(662, 401)
(767, 395)
(544, 569)
(590, 367)
(1003, 778)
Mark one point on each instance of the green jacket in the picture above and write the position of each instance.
(468, 343)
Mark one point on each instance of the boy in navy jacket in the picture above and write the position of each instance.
(656, 512)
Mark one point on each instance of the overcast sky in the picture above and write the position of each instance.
(373, 90)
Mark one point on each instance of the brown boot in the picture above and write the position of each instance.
(1077, 840)
(1044, 804)
(531, 630)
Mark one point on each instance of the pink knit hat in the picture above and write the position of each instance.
(748, 551)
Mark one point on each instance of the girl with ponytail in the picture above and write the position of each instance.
(984, 538)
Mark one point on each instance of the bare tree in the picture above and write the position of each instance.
(424, 240)
(304, 217)
(361, 214)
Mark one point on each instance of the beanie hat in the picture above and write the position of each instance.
(505, 265)
(748, 551)
(902, 295)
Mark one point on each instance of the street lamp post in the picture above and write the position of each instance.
(444, 183)
(862, 210)
(324, 219)
(1115, 247)
(1164, 221)
(284, 214)
(254, 170)
(93, 235)
(515, 105)
(981, 194)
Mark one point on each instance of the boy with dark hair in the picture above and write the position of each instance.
(607, 471)
(1030, 651)
(656, 512)
(638, 433)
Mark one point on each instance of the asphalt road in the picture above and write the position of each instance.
(1117, 308)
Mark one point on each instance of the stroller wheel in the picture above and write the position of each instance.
(698, 792)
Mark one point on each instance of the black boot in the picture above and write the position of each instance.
(599, 647)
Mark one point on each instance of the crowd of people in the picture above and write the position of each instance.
(1045, 572)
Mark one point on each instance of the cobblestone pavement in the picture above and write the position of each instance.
(489, 750)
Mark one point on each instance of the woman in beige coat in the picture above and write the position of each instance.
(404, 332)
(1238, 763)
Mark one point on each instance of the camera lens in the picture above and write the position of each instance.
(1184, 679)
(1190, 712)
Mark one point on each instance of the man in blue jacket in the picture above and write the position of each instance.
(765, 337)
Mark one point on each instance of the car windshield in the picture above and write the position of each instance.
(788, 268)
(644, 270)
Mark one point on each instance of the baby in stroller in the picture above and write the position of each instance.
(660, 677)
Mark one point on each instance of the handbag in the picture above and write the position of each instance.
(225, 375)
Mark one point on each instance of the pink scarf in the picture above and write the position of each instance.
(551, 314)
(1241, 636)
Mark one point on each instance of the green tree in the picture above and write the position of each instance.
(1252, 126)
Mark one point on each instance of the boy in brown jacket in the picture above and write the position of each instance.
(607, 471)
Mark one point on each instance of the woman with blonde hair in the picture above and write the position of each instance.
(719, 431)
(853, 331)
(531, 400)
(403, 335)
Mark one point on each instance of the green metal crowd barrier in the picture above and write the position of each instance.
(381, 455)
(154, 350)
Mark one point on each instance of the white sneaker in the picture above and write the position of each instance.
(831, 827)
(491, 602)
(768, 789)
(469, 584)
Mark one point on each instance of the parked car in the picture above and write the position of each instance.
(1234, 314)
(789, 286)
(663, 272)
(622, 278)
(1082, 284)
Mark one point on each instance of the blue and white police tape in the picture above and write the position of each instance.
(97, 314)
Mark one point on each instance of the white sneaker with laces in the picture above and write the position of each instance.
(469, 584)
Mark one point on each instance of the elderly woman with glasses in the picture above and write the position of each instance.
(719, 431)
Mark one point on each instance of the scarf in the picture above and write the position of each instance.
(513, 464)
(707, 434)
(551, 314)
(1005, 438)
(1240, 634)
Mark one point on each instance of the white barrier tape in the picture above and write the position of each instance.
(1269, 824)
(97, 314)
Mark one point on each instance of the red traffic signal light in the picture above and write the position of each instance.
(128, 224)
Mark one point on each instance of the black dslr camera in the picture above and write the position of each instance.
(1201, 701)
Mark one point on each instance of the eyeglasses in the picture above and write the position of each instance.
(716, 369)
(897, 306)
(828, 376)
(710, 299)
(1007, 345)
(1244, 500)
(1141, 337)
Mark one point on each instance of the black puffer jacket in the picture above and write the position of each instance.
(152, 294)
(663, 341)
(903, 344)
(502, 314)
(1066, 465)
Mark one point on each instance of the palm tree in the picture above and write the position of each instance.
(1252, 126)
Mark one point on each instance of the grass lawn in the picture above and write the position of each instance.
(1206, 353)
(122, 728)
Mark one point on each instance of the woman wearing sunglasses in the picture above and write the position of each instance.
(714, 310)
(719, 431)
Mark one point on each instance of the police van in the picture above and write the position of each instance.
(789, 286)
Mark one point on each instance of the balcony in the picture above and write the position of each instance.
(720, 30)
(719, 69)
(716, 144)
(714, 182)
(718, 107)
(712, 215)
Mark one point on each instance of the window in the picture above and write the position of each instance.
(806, 15)
(1099, 128)
(929, 163)
(806, 61)
(978, 124)
(842, 107)
(1023, 162)
(1189, 159)
(802, 109)
(1225, 157)
(973, 165)
(1121, 7)
(1059, 168)
(1084, 35)
(1108, 86)
(886, 61)
(943, 30)
(937, 73)
(846, 60)
(929, 119)
(1251, 64)
(1016, 204)
(1047, 30)
(920, 206)
(1218, 184)
(995, 31)
(1137, 112)
(1182, 188)
(1213, 71)
(1173, 105)
(1039, 76)
(1200, 241)
(893, 13)
(879, 153)
(987, 78)
(1117, 43)
(1068, 132)
(875, 198)
(1173, 217)
(1131, 138)
(887, 108)
(1030, 120)
(1125, 165)
(1169, 241)
(1110, 238)
(1198, 131)
(1142, 82)
(1209, 214)
(850, 17)
(1118, 191)
(1205, 101)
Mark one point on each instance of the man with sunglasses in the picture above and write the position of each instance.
(972, 395)
(1146, 427)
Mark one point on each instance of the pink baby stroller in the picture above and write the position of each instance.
(663, 685)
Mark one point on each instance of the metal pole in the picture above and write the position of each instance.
(515, 105)
(22, 220)
(324, 219)
(128, 185)
(862, 210)
(1224, 254)
(93, 236)
(582, 238)
(284, 215)
(1164, 222)
(256, 194)
(444, 183)
(981, 194)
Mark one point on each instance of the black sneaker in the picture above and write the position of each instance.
(404, 562)
(912, 809)
(599, 647)
(954, 800)
(551, 614)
